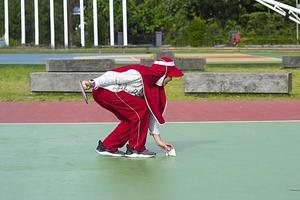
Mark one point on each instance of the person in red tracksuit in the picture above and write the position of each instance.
(135, 95)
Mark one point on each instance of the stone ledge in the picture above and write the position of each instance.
(291, 61)
(182, 63)
(198, 82)
(59, 82)
(147, 61)
(80, 65)
(165, 53)
(191, 63)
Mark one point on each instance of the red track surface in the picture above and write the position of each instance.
(69, 112)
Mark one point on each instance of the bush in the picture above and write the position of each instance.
(266, 40)
(214, 33)
(14, 43)
(196, 32)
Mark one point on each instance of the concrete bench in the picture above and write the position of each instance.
(191, 63)
(165, 53)
(80, 65)
(59, 81)
(182, 63)
(291, 61)
(147, 61)
(198, 82)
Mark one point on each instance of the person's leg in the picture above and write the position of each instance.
(137, 112)
(134, 115)
(118, 137)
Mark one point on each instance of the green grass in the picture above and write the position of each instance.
(14, 85)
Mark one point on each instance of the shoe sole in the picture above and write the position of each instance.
(135, 155)
(106, 153)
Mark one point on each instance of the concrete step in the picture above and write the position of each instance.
(291, 61)
(198, 82)
(191, 63)
(80, 65)
(182, 63)
(59, 81)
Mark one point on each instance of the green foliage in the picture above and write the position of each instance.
(183, 22)
(44, 23)
(196, 32)
(1, 19)
(266, 40)
(267, 28)
(260, 23)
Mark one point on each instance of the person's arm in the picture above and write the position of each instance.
(164, 145)
(116, 78)
(154, 131)
(112, 78)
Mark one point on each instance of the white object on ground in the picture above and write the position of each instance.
(172, 152)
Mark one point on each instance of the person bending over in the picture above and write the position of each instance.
(135, 94)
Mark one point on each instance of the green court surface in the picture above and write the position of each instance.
(215, 161)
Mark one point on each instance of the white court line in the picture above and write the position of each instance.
(191, 122)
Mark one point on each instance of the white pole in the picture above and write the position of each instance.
(124, 5)
(23, 31)
(278, 4)
(95, 23)
(111, 20)
(36, 22)
(82, 23)
(6, 22)
(66, 31)
(297, 25)
(52, 26)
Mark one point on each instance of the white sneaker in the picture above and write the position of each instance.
(131, 153)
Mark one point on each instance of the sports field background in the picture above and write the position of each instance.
(216, 158)
(212, 58)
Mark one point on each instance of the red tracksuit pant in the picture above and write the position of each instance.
(133, 113)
